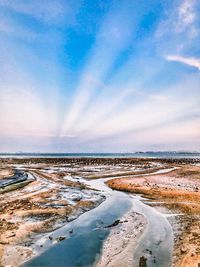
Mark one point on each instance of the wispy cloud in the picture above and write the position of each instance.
(186, 15)
(51, 12)
(18, 105)
(190, 61)
(178, 31)
(114, 36)
(123, 93)
(179, 18)
(150, 111)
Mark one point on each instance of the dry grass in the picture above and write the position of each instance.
(184, 199)
(121, 173)
(192, 172)
(6, 172)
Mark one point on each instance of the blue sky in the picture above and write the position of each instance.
(99, 76)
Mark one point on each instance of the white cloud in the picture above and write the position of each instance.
(190, 61)
(114, 36)
(150, 111)
(108, 106)
(22, 111)
(51, 12)
(178, 32)
(186, 15)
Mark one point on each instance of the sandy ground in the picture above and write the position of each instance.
(122, 240)
(178, 191)
(59, 195)
(39, 207)
(6, 172)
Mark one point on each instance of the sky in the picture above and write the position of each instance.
(99, 76)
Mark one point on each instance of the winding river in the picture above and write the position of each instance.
(87, 233)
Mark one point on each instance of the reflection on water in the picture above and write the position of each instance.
(83, 247)
(156, 245)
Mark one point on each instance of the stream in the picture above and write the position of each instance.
(86, 234)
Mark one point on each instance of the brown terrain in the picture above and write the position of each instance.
(179, 190)
(56, 194)
(41, 206)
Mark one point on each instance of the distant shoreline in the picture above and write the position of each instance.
(150, 154)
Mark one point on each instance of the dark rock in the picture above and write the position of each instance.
(12, 235)
(4, 243)
(61, 238)
(183, 249)
(113, 224)
(143, 262)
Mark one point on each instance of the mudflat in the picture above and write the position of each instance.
(179, 192)
(58, 193)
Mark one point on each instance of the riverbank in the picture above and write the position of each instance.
(46, 203)
(178, 192)
(119, 246)
(64, 189)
